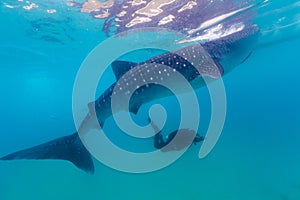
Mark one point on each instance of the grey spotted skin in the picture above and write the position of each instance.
(192, 62)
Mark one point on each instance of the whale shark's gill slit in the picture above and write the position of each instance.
(68, 148)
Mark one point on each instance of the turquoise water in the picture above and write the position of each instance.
(257, 156)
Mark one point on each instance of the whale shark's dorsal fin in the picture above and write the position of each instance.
(120, 67)
(65, 148)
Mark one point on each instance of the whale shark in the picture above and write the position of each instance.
(191, 61)
(71, 148)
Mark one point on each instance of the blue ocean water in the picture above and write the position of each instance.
(257, 156)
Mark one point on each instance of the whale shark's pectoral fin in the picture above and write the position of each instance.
(66, 148)
(121, 67)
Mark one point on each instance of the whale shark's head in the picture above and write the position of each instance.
(234, 49)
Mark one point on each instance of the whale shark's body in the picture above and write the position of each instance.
(189, 61)
(71, 148)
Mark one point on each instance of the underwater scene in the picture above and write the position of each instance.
(150, 99)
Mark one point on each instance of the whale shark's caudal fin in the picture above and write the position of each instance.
(65, 148)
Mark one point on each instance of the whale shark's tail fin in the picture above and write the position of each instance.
(65, 148)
